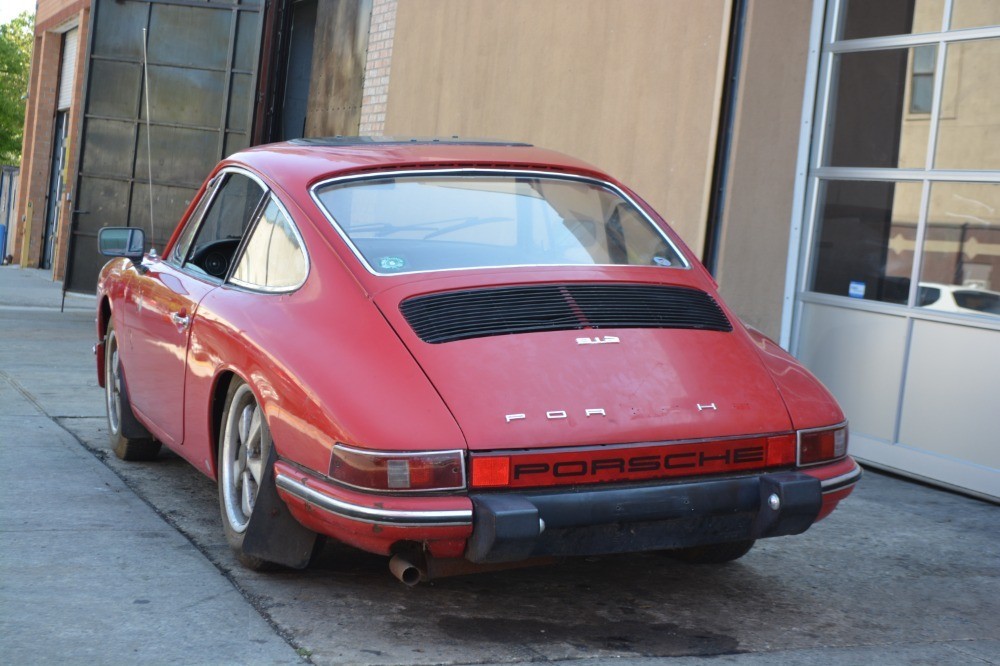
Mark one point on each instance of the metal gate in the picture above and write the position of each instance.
(202, 78)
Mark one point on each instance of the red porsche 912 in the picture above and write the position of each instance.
(459, 354)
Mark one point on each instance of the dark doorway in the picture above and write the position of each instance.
(299, 72)
(56, 174)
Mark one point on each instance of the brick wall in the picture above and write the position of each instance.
(376, 86)
(51, 21)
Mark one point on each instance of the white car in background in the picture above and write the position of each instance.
(956, 298)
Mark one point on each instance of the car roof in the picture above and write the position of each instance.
(300, 162)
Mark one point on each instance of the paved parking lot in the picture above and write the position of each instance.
(110, 562)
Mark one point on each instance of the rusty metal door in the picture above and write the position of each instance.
(203, 58)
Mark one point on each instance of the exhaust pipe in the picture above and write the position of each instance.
(406, 571)
(422, 568)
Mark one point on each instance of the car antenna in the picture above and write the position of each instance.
(149, 149)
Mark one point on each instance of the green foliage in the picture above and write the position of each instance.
(16, 39)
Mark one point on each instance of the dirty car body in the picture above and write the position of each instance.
(457, 351)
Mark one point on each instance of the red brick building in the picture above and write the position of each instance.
(51, 130)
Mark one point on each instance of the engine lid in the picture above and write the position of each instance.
(528, 386)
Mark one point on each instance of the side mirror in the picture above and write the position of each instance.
(128, 242)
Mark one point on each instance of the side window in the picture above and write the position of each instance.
(219, 234)
(273, 257)
(180, 248)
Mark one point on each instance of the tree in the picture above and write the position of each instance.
(16, 39)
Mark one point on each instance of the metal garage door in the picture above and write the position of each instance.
(202, 76)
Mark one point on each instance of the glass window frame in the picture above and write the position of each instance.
(927, 175)
(269, 196)
(497, 172)
(217, 183)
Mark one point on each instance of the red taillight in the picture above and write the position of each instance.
(490, 472)
(822, 445)
(781, 450)
(385, 470)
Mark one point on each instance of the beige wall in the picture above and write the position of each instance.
(632, 87)
(758, 206)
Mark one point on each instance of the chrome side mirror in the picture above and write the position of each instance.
(128, 242)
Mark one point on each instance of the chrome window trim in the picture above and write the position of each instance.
(241, 250)
(208, 198)
(402, 454)
(365, 514)
(473, 171)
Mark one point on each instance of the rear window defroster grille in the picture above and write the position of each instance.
(477, 313)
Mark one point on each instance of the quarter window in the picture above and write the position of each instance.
(273, 257)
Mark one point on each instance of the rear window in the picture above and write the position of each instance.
(425, 222)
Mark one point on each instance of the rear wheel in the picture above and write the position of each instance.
(129, 439)
(243, 453)
(716, 553)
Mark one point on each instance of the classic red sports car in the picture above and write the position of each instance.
(461, 354)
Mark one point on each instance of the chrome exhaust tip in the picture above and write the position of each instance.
(406, 571)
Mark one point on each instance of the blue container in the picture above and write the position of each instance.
(3, 242)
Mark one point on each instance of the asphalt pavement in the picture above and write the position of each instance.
(105, 562)
(89, 572)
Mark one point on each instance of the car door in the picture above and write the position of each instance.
(169, 291)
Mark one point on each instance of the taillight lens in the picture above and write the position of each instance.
(491, 472)
(822, 444)
(400, 472)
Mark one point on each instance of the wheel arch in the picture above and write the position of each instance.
(103, 317)
(219, 391)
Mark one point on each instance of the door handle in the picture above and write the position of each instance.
(180, 319)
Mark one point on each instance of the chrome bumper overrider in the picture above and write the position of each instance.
(369, 514)
(842, 481)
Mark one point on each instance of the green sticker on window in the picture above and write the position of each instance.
(391, 263)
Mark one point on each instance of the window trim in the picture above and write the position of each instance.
(204, 277)
(478, 171)
(269, 195)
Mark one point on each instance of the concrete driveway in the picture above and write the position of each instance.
(109, 562)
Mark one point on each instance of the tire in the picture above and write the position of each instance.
(245, 442)
(129, 439)
(716, 553)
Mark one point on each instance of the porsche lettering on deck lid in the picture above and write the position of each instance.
(557, 414)
(638, 463)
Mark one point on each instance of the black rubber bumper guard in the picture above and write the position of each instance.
(512, 527)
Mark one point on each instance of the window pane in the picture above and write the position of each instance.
(223, 226)
(419, 223)
(975, 14)
(865, 18)
(179, 251)
(861, 239)
(273, 257)
(870, 123)
(969, 129)
(961, 262)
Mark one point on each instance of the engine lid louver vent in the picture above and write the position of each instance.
(478, 313)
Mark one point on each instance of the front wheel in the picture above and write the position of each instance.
(129, 439)
(243, 454)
